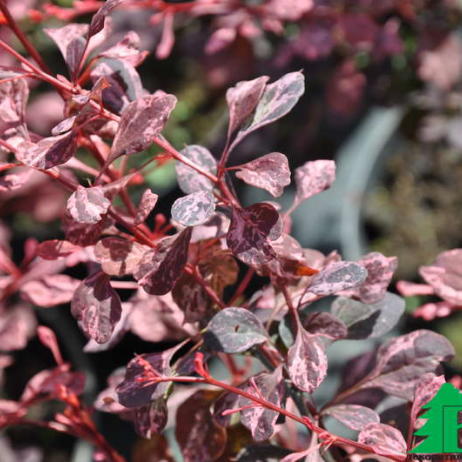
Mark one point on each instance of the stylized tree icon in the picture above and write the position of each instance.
(442, 426)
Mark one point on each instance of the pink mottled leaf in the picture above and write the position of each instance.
(337, 277)
(15, 179)
(83, 234)
(270, 172)
(369, 320)
(402, 361)
(242, 100)
(277, 100)
(307, 361)
(119, 256)
(445, 276)
(194, 209)
(410, 289)
(199, 436)
(97, 307)
(151, 419)
(71, 40)
(352, 415)
(234, 330)
(290, 10)
(250, 231)
(380, 271)
(146, 206)
(189, 180)
(88, 205)
(161, 268)
(384, 439)
(128, 49)
(48, 152)
(426, 388)
(259, 420)
(313, 178)
(50, 290)
(17, 326)
(141, 121)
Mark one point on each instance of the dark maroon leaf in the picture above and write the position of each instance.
(151, 419)
(71, 40)
(48, 152)
(369, 321)
(445, 276)
(307, 361)
(234, 330)
(402, 361)
(199, 436)
(189, 180)
(119, 256)
(161, 268)
(277, 100)
(313, 178)
(352, 415)
(384, 439)
(380, 271)
(84, 234)
(97, 307)
(270, 172)
(137, 388)
(54, 249)
(50, 290)
(147, 203)
(141, 121)
(194, 209)
(225, 402)
(88, 205)
(259, 420)
(326, 324)
(336, 277)
(242, 100)
(250, 230)
(97, 22)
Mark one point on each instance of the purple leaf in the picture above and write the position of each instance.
(54, 249)
(199, 436)
(146, 206)
(250, 230)
(141, 121)
(336, 277)
(161, 268)
(50, 290)
(99, 18)
(307, 361)
(380, 271)
(352, 415)
(88, 205)
(84, 234)
(445, 276)
(189, 180)
(369, 321)
(402, 361)
(134, 391)
(242, 100)
(118, 256)
(259, 420)
(325, 324)
(48, 152)
(97, 307)
(270, 172)
(384, 439)
(313, 178)
(194, 209)
(151, 419)
(71, 41)
(277, 100)
(234, 330)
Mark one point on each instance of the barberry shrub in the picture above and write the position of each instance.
(190, 277)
